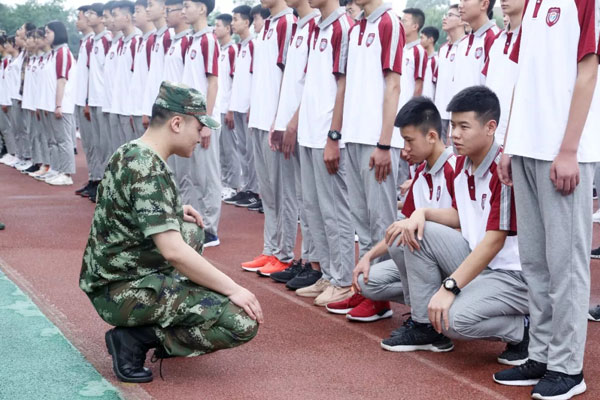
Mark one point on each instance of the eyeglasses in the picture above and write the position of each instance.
(170, 10)
(449, 15)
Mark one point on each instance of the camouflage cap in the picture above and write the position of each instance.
(183, 99)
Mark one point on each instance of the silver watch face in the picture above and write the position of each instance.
(449, 284)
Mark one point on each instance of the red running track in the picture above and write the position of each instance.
(301, 352)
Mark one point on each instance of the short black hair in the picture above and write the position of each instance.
(421, 113)
(60, 32)
(83, 8)
(29, 26)
(2, 39)
(210, 5)
(225, 18)
(173, 2)
(264, 12)
(126, 5)
(431, 32)
(30, 33)
(11, 40)
(97, 8)
(417, 14)
(143, 3)
(108, 6)
(161, 115)
(479, 99)
(39, 33)
(244, 11)
(490, 10)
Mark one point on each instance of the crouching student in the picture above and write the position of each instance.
(142, 268)
(376, 285)
(468, 284)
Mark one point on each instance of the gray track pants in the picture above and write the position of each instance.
(114, 131)
(385, 283)
(374, 205)
(102, 141)
(126, 129)
(231, 168)
(87, 139)
(555, 240)
(138, 127)
(492, 306)
(327, 210)
(7, 132)
(246, 151)
(60, 143)
(21, 134)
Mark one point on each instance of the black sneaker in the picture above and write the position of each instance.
(84, 188)
(250, 201)
(594, 314)
(305, 278)
(596, 253)
(417, 336)
(33, 168)
(516, 354)
(261, 210)
(239, 196)
(405, 325)
(556, 385)
(289, 273)
(526, 374)
(254, 207)
(211, 240)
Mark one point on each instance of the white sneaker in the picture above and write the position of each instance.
(6, 158)
(24, 165)
(48, 175)
(596, 216)
(13, 161)
(227, 193)
(60, 180)
(77, 134)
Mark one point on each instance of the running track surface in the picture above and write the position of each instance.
(301, 352)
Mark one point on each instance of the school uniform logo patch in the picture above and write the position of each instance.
(299, 41)
(483, 197)
(244, 53)
(156, 47)
(370, 39)
(323, 44)
(222, 57)
(270, 33)
(112, 54)
(553, 16)
(438, 194)
(452, 57)
(95, 50)
(478, 52)
(193, 54)
(171, 50)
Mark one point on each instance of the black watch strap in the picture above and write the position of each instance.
(383, 146)
(334, 135)
(454, 286)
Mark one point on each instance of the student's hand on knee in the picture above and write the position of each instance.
(438, 309)
(564, 172)
(393, 231)
(246, 300)
(205, 137)
(381, 160)
(412, 230)
(505, 172)
(363, 267)
(193, 216)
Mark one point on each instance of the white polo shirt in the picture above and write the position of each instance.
(242, 79)
(82, 67)
(141, 67)
(110, 71)
(13, 72)
(413, 69)
(471, 56)
(295, 72)
(57, 64)
(555, 35)
(432, 187)
(175, 57)
(501, 76)
(29, 84)
(5, 83)
(430, 78)
(445, 76)
(327, 59)
(226, 68)
(376, 44)
(485, 204)
(42, 71)
(201, 60)
(161, 43)
(270, 58)
(100, 48)
(122, 103)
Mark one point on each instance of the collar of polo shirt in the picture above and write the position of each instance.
(204, 31)
(303, 21)
(86, 37)
(413, 44)
(479, 32)
(226, 45)
(246, 41)
(281, 14)
(440, 162)
(128, 38)
(162, 30)
(118, 36)
(375, 15)
(332, 18)
(101, 34)
(147, 34)
(182, 34)
(486, 163)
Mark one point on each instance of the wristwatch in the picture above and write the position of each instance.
(383, 146)
(334, 135)
(451, 286)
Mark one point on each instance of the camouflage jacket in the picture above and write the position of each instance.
(136, 199)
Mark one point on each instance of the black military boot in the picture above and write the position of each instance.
(128, 348)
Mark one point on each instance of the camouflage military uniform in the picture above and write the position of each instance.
(127, 279)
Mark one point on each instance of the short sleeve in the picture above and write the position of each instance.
(154, 204)
(166, 41)
(232, 54)
(284, 35)
(210, 54)
(339, 44)
(392, 37)
(587, 22)
(503, 215)
(64, 62)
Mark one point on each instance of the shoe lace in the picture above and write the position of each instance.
(154, 359)
(553, 376)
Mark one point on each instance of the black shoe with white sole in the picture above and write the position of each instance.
(417, 336)
(527, 374)
(558, 386)
(596, 253)
(289, 273)
(516, 354)
(251, 200)
(239, 196)
(594, 314)
(257, 205)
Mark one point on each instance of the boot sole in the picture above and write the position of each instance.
(110, 345)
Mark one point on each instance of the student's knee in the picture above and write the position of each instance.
(461, 323)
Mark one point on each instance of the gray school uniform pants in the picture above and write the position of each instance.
(231, 168)
(21, 135)
(7, 132)
(555, 241)
(60, 143)
(308, 245)
(114, 132)
(385, 283)
(277, 187)
(90, 148)
(35, 137)
(492, 306)
(126, 129)
(249, 181)
(327, 210)
(44, 129)
(102, 143)
(138, 127)
(374, 205)
(597, 178)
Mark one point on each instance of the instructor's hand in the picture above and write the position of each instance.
(191, 215)
(243, 298)
(145, 121)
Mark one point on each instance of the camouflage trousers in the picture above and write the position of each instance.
(189, 319)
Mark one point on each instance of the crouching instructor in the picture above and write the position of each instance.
(142, 267)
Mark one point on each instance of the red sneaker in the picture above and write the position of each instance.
(344, 306)
(369, 311)
(257, 263)
(274, 266)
